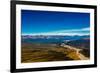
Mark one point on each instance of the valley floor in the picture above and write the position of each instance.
(50, 52)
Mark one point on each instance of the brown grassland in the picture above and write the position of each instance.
(49, 52)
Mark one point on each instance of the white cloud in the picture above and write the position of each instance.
(86, 29)
(71, 32)
(74, 30)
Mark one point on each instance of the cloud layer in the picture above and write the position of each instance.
(72, 32)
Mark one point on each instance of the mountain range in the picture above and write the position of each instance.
(50, 38)
(54, 37)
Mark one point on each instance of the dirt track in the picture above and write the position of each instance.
(81, 56)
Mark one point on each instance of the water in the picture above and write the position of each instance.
(28, 40)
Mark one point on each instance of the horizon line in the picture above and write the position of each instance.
(56, 34)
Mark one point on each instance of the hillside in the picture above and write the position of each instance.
(83, 44)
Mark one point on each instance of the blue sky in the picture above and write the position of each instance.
(51, 23)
